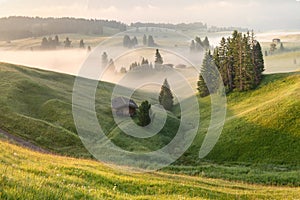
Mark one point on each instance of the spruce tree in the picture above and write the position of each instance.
(210, 73)
(258, 62)
(151, 42)
(205, 43)
(192, 46)
(144, 114)
(158, 58)
(104, 58)
(145, 40)
(166, 97)
(81, 44)
(127, 41)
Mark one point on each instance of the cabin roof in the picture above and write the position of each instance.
(121, 102)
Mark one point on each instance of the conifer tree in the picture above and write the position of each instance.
(151, 42)
(211, 82)
(104, 58)
(144, 114)
(205, 43)
(158, 58)
(166, 97)
(145, 40)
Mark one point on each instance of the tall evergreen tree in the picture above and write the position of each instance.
(192, 46)
(68, 43)
(104, 59)
(205, 43)
(145, 40)
(127, 41)
(151, 42)
(166, 97)
(144, 114)
(134, 41)
(81, 44)
(208, 70)
(258, 62)
(158, 58)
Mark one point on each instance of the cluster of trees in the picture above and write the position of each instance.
(165, 99)
(49, 43)
(130, 43)
(149, 41)
(22, 27)
(105, 61)
(274, 49)
(239, 60)
(145, 64)
(181, 26)
(198, 45)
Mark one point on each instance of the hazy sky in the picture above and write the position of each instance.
(257, 14)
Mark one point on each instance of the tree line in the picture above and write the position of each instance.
(51, 44)
(238, 59)
(22, 27)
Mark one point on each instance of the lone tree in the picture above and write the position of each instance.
(104, 59)
(81, 44)
(158, 58)
(151, 42)
(145, 40)
(166, 97)
(144, 114)
(67, 43)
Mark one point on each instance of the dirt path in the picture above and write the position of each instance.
(22, 142)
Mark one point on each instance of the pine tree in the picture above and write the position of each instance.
(145, 40)
(192, 46)
(151, 42)
(81, 44)
(44, 43)
(205, 43)
(127, 41)
(134, 41)
(56, 41)
(258, 62)
(199, 44)
(104, 58)
(144, 114)
(67, 43)
(166, 97)
(281, 47)
(211, 82)
(158, 58)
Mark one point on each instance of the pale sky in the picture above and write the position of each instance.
(256, 14)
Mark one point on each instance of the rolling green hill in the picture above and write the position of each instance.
(29, 175)
(260, 142)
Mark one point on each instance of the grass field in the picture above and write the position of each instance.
(28, 175)
(260, 142)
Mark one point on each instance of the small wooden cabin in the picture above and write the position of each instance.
(276, 41)
(124, 107)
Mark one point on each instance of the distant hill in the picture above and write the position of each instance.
(12, 28)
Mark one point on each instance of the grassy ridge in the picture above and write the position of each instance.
(29, 175)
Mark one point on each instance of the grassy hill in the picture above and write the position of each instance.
(30, 175)
(260, 142)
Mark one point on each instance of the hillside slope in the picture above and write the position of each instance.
(262, 126)
(29, 175)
